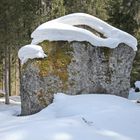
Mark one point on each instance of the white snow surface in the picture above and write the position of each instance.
(80, 117)
(30, 52)
(63, 28)
(137, 84)
(135, 96)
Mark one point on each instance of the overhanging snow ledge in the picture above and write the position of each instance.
(63, 28)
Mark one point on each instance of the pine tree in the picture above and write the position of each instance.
(57, 9)
(122, 14)
(93, 7)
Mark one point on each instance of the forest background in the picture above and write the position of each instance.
(18, 19)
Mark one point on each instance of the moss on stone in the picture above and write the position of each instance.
(106, 52)
(41, 98)
(59, 55)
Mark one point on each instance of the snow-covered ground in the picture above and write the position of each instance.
(81, 117)
(137, 84)
(134, 96)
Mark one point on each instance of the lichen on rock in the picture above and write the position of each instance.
(59, 57)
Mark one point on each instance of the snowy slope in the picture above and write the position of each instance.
(81, 117)
(64, 28)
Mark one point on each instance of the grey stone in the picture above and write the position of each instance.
(75, 68)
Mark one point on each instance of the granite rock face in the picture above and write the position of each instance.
(75, 68)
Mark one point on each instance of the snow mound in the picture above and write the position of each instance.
(67, 105)
(30, 52)
(63, 28)
(135, 96)
(137, 84)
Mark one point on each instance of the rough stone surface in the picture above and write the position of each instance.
(75, 68)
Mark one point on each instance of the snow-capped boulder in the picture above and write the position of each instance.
(75, 66)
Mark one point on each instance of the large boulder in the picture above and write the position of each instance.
(75, 68)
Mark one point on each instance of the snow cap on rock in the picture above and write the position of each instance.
(30, 52)
(64, 28)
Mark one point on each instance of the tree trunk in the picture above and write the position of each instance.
(15, 77)
(6, 77)
(19, 72)
(9, 70)
(3, 74)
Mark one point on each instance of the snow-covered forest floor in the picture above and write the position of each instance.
(81, 117)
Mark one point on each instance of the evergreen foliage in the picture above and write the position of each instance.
(123, 14)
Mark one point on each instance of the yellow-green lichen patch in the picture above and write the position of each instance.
(41, 98)
(59, 55)
(106, 52)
